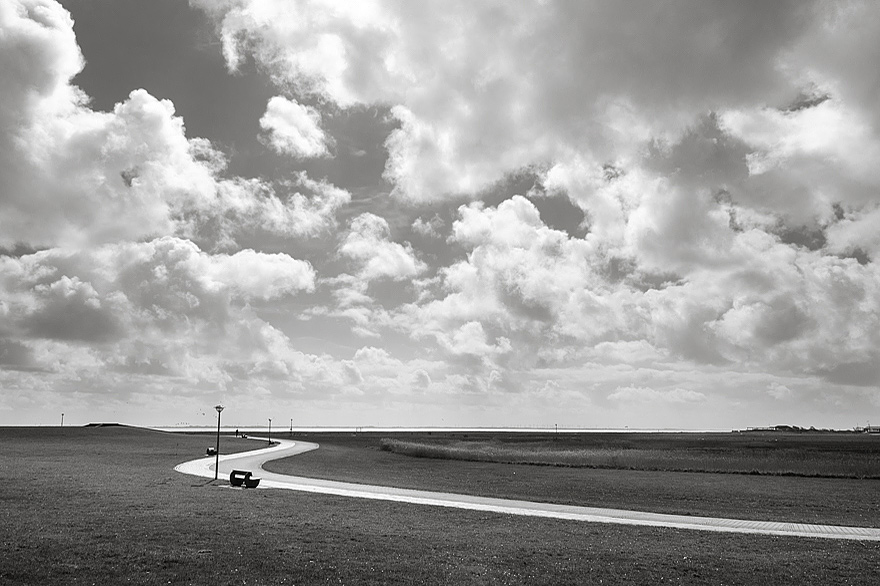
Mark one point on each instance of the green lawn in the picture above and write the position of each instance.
(104, 506)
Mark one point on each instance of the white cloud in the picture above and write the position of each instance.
(294, 129)
(162, 309)
(716, 192)
(482, 90)
(779, 391)
(723, 156)
(422, 379)
(470, 339)
(649, 395)
(804, 161)
(765, 305)
(428, 228)
(241, 209)
(39, 57)
(166, 284)
(521, 277)
(368, 244)
(76, 177)
(260, 276)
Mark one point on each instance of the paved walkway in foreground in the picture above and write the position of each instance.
(255, 459)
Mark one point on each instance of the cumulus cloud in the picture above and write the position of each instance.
(779, 391)
(69, 309)
(480, 90)
(118, 201)
(522, 278)
(159, 308)
(722, 173)
(168, 278)
(722, 159)
(810, 158)
(428, 228)
(240, 209)
(294, 129)
(77, 177)
(471, 340)
(369, 246)
(531, 99)
(40, 56)
(649, 395)
(763, 305)
(257, 275)
(422, 379)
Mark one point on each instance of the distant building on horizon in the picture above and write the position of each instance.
(869, 429)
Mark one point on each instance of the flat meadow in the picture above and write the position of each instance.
(104, 506)
(773, 453)
(639, 471)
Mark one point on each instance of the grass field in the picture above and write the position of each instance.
(823, 455)
(103, 506)
(361, 458)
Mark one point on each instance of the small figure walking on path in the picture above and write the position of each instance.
(236, 432)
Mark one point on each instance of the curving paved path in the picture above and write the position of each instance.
(255, 459)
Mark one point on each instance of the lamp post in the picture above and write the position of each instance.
(219, 408)
(270, 431)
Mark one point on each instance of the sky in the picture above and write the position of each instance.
(516, 214)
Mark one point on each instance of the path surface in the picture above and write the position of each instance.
(255, 459)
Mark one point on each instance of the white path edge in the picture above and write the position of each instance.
(254, 460)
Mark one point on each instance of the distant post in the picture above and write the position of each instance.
(219, 408)
(62, 420)
(270, 431)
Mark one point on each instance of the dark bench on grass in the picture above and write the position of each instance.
(239, 477)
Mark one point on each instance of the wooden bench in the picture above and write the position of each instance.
(243, 477)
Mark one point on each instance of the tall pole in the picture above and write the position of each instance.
(219, 408)
(62, 420)
(270, 431)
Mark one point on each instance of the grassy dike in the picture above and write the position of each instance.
(104, 506)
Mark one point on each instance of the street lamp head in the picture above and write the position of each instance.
(219, 408)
